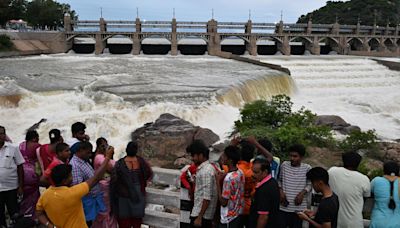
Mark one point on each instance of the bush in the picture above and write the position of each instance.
(275, 120)
(5, 43)
(360, 140)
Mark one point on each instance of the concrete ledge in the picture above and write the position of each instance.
(228, 55)
(391, 65)
(166, 176)
(162, 197)
(161, 219)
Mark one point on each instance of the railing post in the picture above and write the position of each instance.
(67, 23)
(174, 40)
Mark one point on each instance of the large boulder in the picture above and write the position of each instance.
(335, 122)
(390, 151)
(165, 140)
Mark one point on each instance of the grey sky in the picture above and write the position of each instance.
(195, 10)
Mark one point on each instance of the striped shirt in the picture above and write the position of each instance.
(293, 180)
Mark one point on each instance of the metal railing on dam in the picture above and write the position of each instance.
(342, 39)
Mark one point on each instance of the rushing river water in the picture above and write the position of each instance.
(114, 95)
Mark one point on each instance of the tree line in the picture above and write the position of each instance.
(38, 13)
(350, 12)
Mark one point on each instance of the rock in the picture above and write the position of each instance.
(219, 148)
(182, 162)
(349, 129)
(335, 122)
(390, 151)
(165, 140)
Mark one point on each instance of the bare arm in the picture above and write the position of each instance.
(41, 215)
(262, 221)
(222, 200)
(44, 182)
(103, 168)
(259, 147)
(204, 207)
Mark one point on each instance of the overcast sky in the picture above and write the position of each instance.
(195, 10)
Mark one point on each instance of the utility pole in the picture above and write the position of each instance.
(249, 14)
(101, 12)
(173, 13)
(212, 13)
(137, 12)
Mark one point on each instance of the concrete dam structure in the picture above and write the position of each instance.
(235, 37)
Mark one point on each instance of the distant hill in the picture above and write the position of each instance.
(348, 12)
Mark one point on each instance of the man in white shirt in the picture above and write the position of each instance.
(351, 187)
(12, 177)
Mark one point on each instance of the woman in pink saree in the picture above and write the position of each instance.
(31, 179)
(104, 219)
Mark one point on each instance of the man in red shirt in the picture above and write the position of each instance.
(62, 156)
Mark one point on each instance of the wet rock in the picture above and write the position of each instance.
(349, 129)
(165, 140)
(335, 122)
(390, 151)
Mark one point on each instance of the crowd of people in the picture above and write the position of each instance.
(247, 187)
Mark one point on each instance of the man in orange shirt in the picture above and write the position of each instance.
(61, 205)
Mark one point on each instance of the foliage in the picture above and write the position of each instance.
(360, 140)
(275, 120)
(371, 173)
(348, 12)
(5, 43)
(38, 13)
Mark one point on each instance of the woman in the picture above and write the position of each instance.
(386, 211)
(31, 179)
(104, 219)
(127, 188)
(47, 152)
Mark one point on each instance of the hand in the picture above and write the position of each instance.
(110, 152)
(299, 198)
(251, 139)
(302, 216)
(20, 191)
(197, 222)
(235, 141)
(309, 213)
(87, 138)
(282, 197)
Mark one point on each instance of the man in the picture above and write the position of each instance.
(350, 186)
(265, 205)
(205, 195)
(12, 177)
(327, 212)
(264, 148)
(247, 154)
(62, 157)
(61, 205)
(81, 171)
(231, 197)
(78, 135)
(294, 187)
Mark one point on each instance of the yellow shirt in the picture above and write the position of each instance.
(63, 205)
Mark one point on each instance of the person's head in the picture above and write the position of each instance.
(351, 160)
(199, 151)
(132, 149)
(296, 154)
(101, 145)
(261, 169)
(32, 136)
(2, 134)
(55, 136)
(62, 175)
(391, 168)
(78, 131)
(63, 152)
(264, 142)
(319, 178)
(231, 156)
(84, 150)
(247, 150)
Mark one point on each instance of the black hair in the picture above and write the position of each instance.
(318, 174)
(264, 142)
(60, 173)
(351, 160)
(54, 135)
(77, 127)
(99, 141)
(247, 150)
(60, 147)
(232, 153)
(298, 148)
(31, 135)
(84, 146)
(264, 164)
(198, 147)
(391, 167)
(3, 128)
(131, 148)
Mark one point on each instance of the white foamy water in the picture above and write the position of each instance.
(114, 95)
(360, 90)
